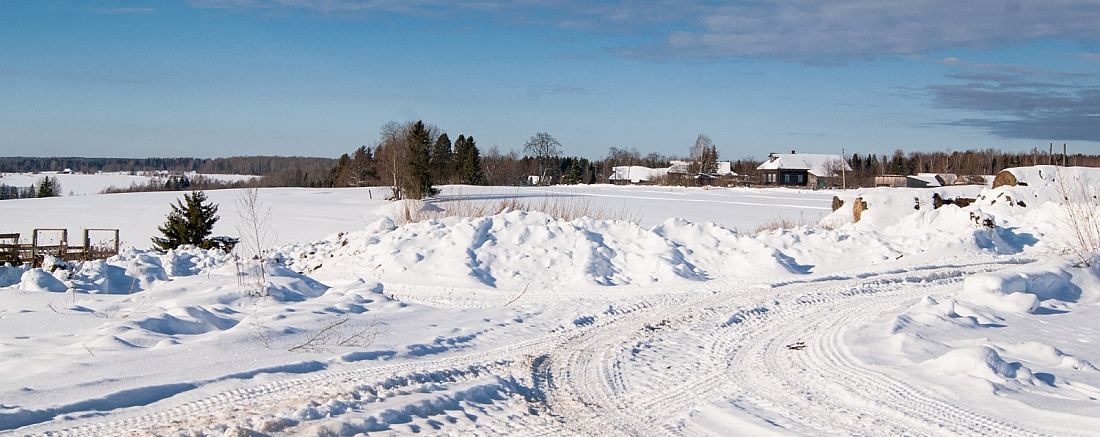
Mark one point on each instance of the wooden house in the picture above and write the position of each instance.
(803, 170)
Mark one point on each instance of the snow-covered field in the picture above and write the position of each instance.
(916, 320)
(79, 184)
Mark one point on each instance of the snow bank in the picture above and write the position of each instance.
(888, 206)
(11, 275)
(1020, 290)
(980, 362)
(514, 250)
(41, 280)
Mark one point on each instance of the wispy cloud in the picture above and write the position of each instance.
(558, 89)
(574, 56)
(804, 30)
(1091, 57)
(124, 11)
(1023, 102)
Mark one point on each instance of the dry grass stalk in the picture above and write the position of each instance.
(562, 207)
(778, 223)
(1082, 206)
(339, 333)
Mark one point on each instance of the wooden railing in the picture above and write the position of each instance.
(14, 253)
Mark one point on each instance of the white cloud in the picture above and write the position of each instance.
(124, 11)
(1091, 57)
(805, 30)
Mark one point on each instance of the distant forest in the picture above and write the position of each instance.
(274, 171)
(462, 162)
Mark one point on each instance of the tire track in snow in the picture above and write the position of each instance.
(201, 408)
(238, 403)
(819, 389)
(590, 383)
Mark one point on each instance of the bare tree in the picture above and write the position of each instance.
(1082, 217)
(542, 147)
(703, 156)
(390, 156)
(254, 227)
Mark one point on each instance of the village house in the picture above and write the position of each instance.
(677, 172)
(636, 175)
(803, 170)
(891, 180)
(930, 180)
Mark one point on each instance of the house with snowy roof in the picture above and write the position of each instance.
(636, 174)
(677, 170)
(681, 173)
(803, 169)
(930, 180)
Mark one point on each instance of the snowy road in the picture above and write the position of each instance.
(778, 355)
(684, 362)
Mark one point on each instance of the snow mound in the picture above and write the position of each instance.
(41, 280)
(11, 275)
(980, 362)
(1045, 354)
(1000, 291)
(1020, 291)
(516, 249)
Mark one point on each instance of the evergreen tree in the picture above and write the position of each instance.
(357, 170)
(418, 163)
(189, 224)
(468, 162)
(48, 187)
(341, 176)
(364, 170)
(442, 168)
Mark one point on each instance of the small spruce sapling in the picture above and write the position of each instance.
(190, 222)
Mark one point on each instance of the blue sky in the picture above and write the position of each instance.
(212, 78)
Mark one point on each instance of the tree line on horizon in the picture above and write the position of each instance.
(413, 157)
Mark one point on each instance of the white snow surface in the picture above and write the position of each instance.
(80, 184)
(673, 317)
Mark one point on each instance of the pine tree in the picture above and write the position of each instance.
(441, 160)
(341, 176)
(189, 224)
(48, 187)
(364, 170)
(418, 163)
(468, 161)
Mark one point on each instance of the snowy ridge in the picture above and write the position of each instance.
(517, 249)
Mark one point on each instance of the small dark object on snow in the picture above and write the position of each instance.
(797, 346)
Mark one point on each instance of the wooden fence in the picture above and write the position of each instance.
(14, 253)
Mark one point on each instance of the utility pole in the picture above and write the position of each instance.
(843, 170)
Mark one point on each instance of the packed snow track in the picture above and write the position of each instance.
(738, 357)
